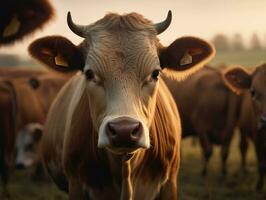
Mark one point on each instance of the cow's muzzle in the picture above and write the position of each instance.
(124, 132)
(123, 135)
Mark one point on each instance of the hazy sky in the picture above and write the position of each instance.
(202, 18)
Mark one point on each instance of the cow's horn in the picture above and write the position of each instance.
(77, 29)
(162, 26)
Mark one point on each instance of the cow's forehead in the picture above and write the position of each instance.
(128, 51)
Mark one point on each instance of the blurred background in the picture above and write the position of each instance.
(237, 28)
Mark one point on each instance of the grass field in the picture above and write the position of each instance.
(245, 58)
(192, 186)
(236, 185)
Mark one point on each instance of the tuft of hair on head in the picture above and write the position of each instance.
(132, 22)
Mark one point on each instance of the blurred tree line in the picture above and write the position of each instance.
(236, 43)
(13, 60)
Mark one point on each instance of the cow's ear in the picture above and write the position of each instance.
(57, 53)
(237, 78)
(185, 56)
(19, 18)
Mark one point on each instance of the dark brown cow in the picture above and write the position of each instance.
(114, 130)
(253, 117)
(23, 100)
(18, 18)
(208, 109)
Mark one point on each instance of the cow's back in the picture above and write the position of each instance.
(7, 119)
(203, 101)
(19, 72)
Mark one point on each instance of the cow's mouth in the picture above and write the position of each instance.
(122, 150)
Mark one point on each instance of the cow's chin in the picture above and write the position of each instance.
(123, 150)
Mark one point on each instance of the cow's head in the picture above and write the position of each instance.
(19, 18)
(27, 145)
(121, 60)
(239, 79)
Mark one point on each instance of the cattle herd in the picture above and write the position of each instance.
(106, 125)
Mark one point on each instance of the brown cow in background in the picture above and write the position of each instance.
(253, 116)
(19, 72)
(23, 101)
(208, 110)
(19, 18)
(114, 130)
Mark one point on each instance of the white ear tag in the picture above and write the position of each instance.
(12, 28)
(186, 59)
(59, 60)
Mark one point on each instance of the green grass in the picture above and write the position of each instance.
(236, 185)
(22, 187)
(245, 58)
(192, 186)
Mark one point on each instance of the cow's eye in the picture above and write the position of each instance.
(155, 74)
(252, 93)
(89, 74)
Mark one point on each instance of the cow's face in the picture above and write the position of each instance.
(241, 80)
(122, 75)
(27, 146)
(121, 59)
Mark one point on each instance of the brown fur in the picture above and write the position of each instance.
(32, 15)
(208, 109)
(21, 104)
(252, 110)
(98, 169)
(19, 72)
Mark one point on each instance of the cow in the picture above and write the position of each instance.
(208, 110)
(253, 112)
(20, 18)
(113, 132)
(28, 142)
(28, 145)
(23, 100)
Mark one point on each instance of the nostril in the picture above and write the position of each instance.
(111, 130)
(136, 131)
